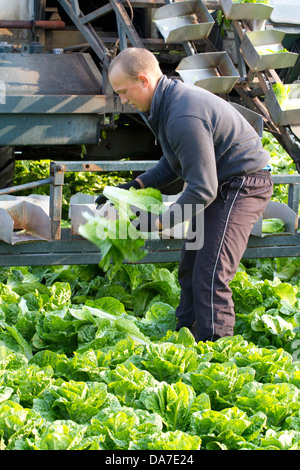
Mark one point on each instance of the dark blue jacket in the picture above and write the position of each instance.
(204, 141)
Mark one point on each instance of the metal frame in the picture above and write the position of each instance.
(66, 248)
(72, 249)
(253, 86)
(20, 112)
(83, 25)
(57, 170)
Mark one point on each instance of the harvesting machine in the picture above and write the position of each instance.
(56, 102)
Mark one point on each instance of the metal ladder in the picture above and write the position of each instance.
(124, 24)
(84, 25)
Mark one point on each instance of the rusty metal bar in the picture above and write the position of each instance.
(18, 24)
(116, 165)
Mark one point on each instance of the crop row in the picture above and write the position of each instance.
(83, 365)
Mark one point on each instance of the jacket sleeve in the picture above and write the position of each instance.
(191, 140)
(159, 176)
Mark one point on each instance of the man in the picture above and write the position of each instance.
(211, 147)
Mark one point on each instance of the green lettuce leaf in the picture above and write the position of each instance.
(222, 382)
(167, 361)
(170, 440)
(118, 240)
(174, 402)
(125, 323)
(274, 225)
(127, 382)
(276, 401)
(147, 199)
(226, 429)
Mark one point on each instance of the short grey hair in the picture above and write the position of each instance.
(135, 60)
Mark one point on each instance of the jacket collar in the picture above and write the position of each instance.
(161, 89)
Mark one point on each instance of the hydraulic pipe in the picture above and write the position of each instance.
(18, 24)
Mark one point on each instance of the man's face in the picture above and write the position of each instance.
(133, 91)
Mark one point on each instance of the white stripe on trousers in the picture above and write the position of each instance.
(218, 256)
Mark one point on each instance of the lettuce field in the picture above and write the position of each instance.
(91, 360)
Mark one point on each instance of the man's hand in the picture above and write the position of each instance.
(100, 200)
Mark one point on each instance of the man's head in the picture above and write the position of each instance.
(134, 75)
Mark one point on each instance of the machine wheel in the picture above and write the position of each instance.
(7, 166)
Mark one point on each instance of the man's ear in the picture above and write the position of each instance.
(144, 79)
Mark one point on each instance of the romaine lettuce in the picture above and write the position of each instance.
(118, 240)
(147, 199)
(98, 377)
(273, 225)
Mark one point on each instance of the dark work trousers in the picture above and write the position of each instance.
(205, 273)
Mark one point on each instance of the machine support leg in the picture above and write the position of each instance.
(57, 173)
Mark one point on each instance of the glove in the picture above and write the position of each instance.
(146, 221)
(102, 199)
